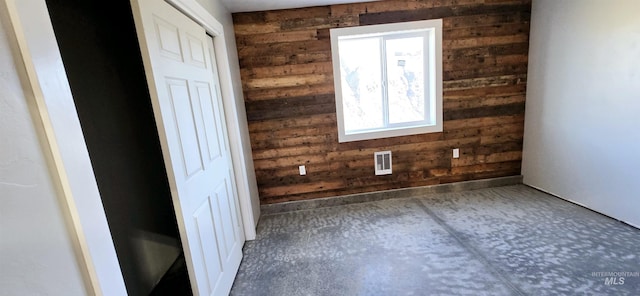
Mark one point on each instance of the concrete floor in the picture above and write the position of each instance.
(510, 240)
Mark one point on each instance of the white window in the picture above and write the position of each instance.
(388, 79)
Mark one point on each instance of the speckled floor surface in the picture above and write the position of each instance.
(510, 240)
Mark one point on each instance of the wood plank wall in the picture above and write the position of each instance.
(285, 60)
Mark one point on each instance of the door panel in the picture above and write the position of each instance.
(197, 52)
(204, 218)
(203, 90)
(228, 235)
(168, 38)
(181, 72)
(183, 112)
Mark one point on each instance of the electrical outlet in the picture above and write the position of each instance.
(456, 153)
(303, 170)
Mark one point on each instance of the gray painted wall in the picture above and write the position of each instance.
(582, 137)
(36, 254)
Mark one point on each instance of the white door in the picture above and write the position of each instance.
(182, 76)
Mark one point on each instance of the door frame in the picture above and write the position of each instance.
(249, 205)
(47, 89)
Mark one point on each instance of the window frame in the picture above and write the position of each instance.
(432, 83)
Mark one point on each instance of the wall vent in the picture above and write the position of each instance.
(383, 162)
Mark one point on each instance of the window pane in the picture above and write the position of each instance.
(405, 79)
(360, 67)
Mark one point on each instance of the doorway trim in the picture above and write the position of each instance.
(47, 89)
(54, 115)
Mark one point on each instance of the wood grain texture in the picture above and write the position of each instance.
(287, 78)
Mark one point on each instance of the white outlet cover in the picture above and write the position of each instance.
(303, 170)
(456, 153)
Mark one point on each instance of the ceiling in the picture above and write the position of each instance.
(262, 5)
